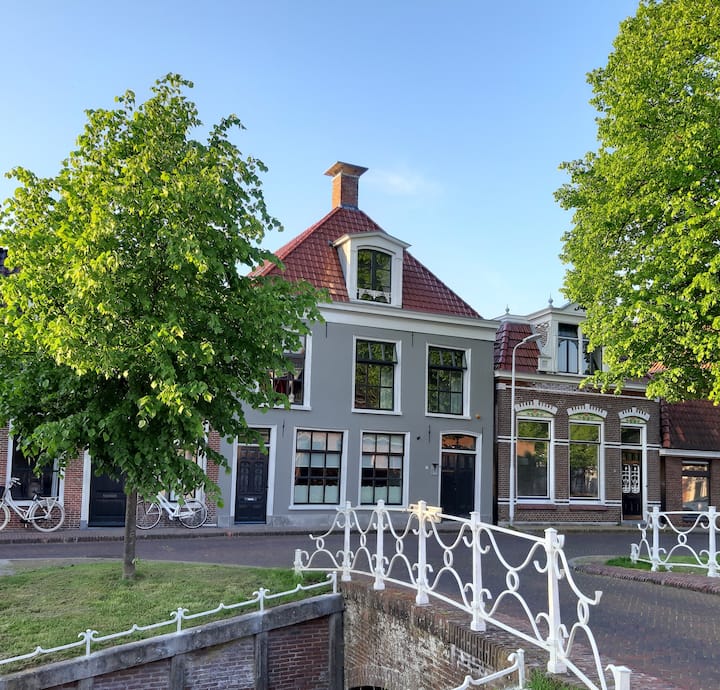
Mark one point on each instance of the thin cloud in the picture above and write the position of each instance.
(404, 183)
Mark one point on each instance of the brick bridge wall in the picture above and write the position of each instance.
(393, 644)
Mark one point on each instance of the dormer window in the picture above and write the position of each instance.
(372, 264)
(573, 356)
(374, 271)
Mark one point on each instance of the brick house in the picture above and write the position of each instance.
(690, 455)
(579, 455)
(392, 395)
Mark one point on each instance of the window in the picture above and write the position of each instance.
(374, 276)
(584, 460)
(532, 452)
(291, 382)
(375, 375)
(446, 377)
(695, 486)
(383, 456)
(30, 483)
(570, 345)
(318, 460)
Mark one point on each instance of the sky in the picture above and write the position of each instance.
(462, 111)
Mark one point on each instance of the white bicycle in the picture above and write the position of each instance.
(44, 514)
(192, 513)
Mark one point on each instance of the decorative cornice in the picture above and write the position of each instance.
(536, 405)
(634, 412)
(587, 408)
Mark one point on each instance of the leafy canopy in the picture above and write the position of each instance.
(644, 249)
(131, 324)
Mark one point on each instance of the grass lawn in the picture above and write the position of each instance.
(49, 606)
(687, 565)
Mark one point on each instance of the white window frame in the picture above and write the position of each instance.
(307, 377)
(342, 488)
(397, 410)
(527, 416)
(406, 464)
(466, 381)
(600, 423)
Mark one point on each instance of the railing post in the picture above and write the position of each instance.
(380, 548)
(346, 544)
(712, 542)
(422, 583)
(478, 623)
(621, 676)
(655, 555)
(553, 545)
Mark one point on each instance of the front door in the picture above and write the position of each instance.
(457, 479)
(107, 502)
(251, 484)
(632, 499)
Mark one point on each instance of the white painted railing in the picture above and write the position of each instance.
(661, 524)
(381, 550)
(517, 665)
(91, 637)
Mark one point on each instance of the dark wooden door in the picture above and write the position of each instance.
(457, 484)
(251, 485)
(107, 502)
(632, 499)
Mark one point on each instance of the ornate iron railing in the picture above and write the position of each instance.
(405, 562)
(517, 665)
(677, 526)
(92, 637)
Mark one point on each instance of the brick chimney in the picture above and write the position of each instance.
(345, 184)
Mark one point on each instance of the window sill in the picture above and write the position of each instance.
(314, 506)
(536, 506)
(588, 506)
(361, 410)
(447, 415)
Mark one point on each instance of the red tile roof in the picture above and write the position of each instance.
(506, 338)
(310, 256)
(690, 425)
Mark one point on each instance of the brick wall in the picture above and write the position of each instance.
(563, 397)
(393, 644)
(289, 647)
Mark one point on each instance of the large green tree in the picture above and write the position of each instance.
(131, 323)
(644, 249)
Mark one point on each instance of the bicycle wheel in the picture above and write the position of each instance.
(46, 515)
(4, 515)
(147, 514)
(193, 514)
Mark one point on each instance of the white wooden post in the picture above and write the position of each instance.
(712, 542)
(621, 676)
(421, 597)
(380, 547)
(655, 556)
(553, 545)
(346, 564)
(478, 623)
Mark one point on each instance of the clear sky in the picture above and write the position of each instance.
(461, 110)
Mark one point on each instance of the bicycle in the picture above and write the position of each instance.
(192, 513)
(44, 514)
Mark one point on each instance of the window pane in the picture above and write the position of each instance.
(584, 460)
(532, 468)
(695, 486)
(584, 432)
(630, 435)
(533, 429)
(376, 475)
(446, 376)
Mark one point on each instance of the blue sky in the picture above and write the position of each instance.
(461, 110)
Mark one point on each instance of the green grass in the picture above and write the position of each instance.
(625, 562)
(539, 681)
(49, 606)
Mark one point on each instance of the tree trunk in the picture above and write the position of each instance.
(130, 536)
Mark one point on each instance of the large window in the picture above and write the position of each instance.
(374, 276)
(383, 456)
(573, 354)
(532, 458)
(318, 462)
(375, 364)
(584, 460)
(290, 382)
(446, 379)
(695, 486)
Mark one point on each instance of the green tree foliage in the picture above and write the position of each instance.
(644, 249)
(131, 323)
